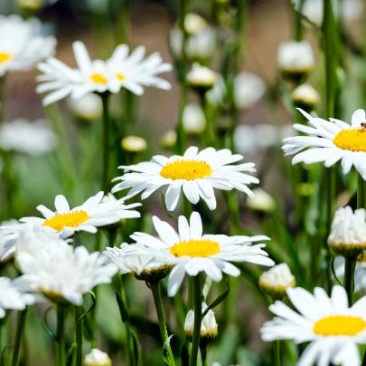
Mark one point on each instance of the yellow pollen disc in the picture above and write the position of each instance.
(339, 325)
(70, 219)
(120, 77)
(353, 140)
(195, 248)
(98, 78)
(4, 57)
(186, 169)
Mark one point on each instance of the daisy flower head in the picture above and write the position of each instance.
(189, 251)
(121, 70)
(329, 142)
(93, 213)
(196, 173)
(332, 327)
(22, 43)
(13, 296)
(63, 273)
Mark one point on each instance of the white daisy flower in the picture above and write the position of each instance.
(329, 142)
(119, 71)
(277, 279)
(22, 43)
(63, 273)
(190, 251)
(9, 233)
(332, 327)
(93, 213)
(196, 173)
(25, 137)
(13, 296)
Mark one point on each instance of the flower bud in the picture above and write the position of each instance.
(97, 358)
(133, 144)
(261, 201)
(208, 325)
(201, 78)
(277, 280)
(348, 232)
(295, 60)
(194, 120)
(305, 97)
(169, 139)
(87, 108)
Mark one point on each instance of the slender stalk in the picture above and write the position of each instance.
(277, 353)
(78, 335)
(18, 336)
(60, 336)
(203, 349)
(182, 65)
(155, 289)
(197, 309)
(105, 142)
(361, 192)
(349, 270)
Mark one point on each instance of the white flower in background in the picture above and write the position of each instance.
(139, 261)
(121, 70)
(191, 252)
(63, 273)
(248, 89)
(193, 119)
(247, 142)
(9, 233)
(201, 77)
(87, 108)
(97, 358)
(332, 327)
(295, 58)
(329, 142)
(261, 201)
(201, 41)
(196, 173)
(208, 325)
(33, 138)
(305, 96)
(22, 43)
(133, 144)
(93, 213)
(277, 279)
(348, 11)
(13, 296)
(348, 232)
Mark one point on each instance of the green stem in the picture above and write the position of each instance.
(277, 353)
(349, 270)
(182, 66)
(361, 192)
(197, 309)
(105, 142)
(78, 335)
(298, 27)
(18, 336)
(203, 349)
(155, 289)
(60, 336)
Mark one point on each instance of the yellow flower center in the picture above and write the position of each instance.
(195, 248)
(5, 57)
(339, 325)
(70, 219)
(186, 169)
(354, 140)
(120, 77)
(98, 78)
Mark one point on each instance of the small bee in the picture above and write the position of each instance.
(363, 126)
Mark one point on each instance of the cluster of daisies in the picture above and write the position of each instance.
(53, 266)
